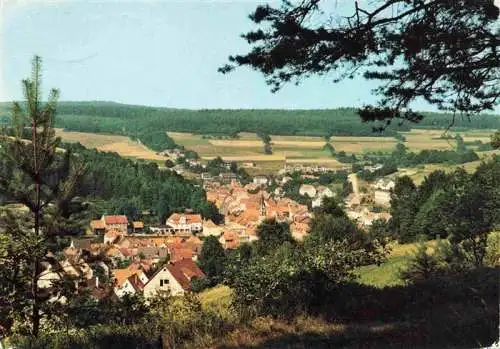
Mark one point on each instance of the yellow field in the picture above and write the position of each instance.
(362, 144)
(112, 143)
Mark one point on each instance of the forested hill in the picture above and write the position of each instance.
(149, 123)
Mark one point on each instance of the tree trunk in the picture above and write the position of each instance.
(35, 312)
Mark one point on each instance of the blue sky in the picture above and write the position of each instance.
(150, 53)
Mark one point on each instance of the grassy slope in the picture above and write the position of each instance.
(450, 324)
(387, 274)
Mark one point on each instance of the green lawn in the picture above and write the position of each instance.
(387, 274)
(384, 275)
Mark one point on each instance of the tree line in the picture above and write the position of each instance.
(149, 125)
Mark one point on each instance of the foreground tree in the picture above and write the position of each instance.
(495, 140)
(41, 182)
(470, 208)
(272, 234)
(212, 260)
(444, 51)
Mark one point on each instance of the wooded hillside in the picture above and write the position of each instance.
(148, 124)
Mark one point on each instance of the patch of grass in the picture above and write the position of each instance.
(217, 298)
(387, 274)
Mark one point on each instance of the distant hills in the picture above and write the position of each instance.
(149, 124)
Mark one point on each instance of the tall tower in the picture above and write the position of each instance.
(262, 207)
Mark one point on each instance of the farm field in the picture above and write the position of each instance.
(304, 150)
(111, 143)
(363, 144)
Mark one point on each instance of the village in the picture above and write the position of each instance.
(121, 257)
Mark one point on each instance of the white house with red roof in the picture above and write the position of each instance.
(173, 277)
(185, 222)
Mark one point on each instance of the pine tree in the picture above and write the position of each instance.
(39, 181)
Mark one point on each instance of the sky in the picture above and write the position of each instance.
(158, 53)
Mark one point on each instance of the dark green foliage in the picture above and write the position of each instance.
(330, 177)
(495, 140)
(470, 208)
(403, 208)
(169, 163)
(423, 266)
(272, 234)
(329, 147)
(130, 187)
(331, 206)
(212, 261)
(462, 206)
(405, 45)
(401, 157)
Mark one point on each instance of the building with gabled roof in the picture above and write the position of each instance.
(185, 222)
(173, 277)
(110, 222)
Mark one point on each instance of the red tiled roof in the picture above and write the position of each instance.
(178, 254)
(136, 282)
(97, 224)
(190, 218)
(115, 219)
(183, 271)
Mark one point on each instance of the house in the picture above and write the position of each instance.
(260, 180)
(229, 240)
(131, 285)
(119, 223)
(227, 177)
(278, 192)
(382, 193)
(307, 189)
(137, 227)
(321, 192)
(173, 277)
(129, 280)
(384, 184)
(185, 222)
(178, 254)
(98, 227)
(152, 253)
